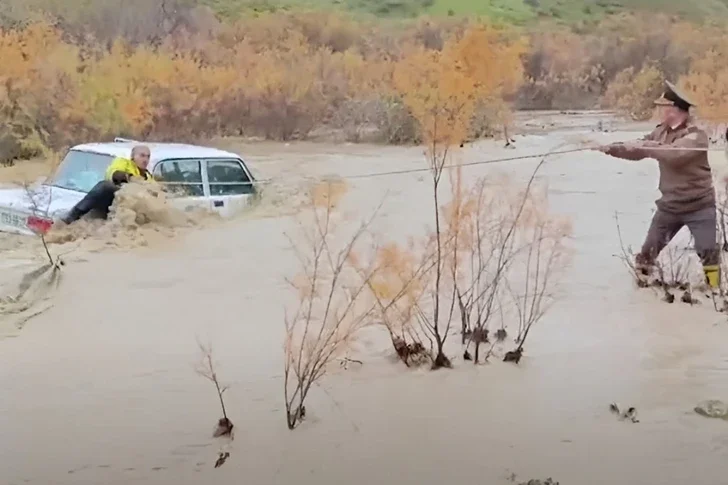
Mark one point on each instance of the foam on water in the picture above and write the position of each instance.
(140, 214)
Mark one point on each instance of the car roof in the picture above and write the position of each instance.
(159, 151)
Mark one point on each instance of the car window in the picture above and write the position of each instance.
(227, 177)
(182, 177)
(81, 170)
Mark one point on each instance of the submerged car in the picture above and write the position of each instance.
(199, 177)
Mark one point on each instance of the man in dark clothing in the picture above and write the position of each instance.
(686, 184)
(120, 171)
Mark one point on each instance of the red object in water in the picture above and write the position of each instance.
(40, 225)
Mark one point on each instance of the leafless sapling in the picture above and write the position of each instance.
(329, 308)
(537, 273)
(485, 247)
(627, 257)
(39, 221)
(206, 369)
(491, 226)
(437, 322)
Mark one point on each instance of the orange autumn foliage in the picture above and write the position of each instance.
(706, 84)
(633, 92)
(443, 88)
(282, 75)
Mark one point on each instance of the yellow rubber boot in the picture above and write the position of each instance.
(712, 276)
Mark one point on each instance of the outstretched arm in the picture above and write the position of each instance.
(679, 151)
(625, 151)
(633, 150)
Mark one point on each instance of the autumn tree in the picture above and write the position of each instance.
(441, 89)
(29, 55)
(492, 59)
(441, 98)
(706, 83)
(281, 75)
(633, 93)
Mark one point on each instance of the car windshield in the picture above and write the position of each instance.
(81, 170)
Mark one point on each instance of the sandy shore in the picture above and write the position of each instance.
(101, 388)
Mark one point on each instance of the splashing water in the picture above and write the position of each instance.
(26, 296)
(287, 198)
(140, 212)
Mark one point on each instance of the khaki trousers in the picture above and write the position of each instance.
(702, 225)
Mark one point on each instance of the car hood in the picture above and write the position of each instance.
(41, 200)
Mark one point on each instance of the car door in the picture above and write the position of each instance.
(183, 181)
(230, 184)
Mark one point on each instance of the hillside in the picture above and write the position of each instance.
(512, 11)
(518, 12)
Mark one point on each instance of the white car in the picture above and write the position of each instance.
(202, 177)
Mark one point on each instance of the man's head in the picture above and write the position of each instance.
(674, 106)
(140, 155)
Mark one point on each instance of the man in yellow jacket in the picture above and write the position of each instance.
(120, 171)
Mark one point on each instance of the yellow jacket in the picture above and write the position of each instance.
(120, 164)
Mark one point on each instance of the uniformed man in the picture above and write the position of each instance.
(686, 183)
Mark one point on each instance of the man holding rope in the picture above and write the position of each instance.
(686, 183)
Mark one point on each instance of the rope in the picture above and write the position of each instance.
(490, 161)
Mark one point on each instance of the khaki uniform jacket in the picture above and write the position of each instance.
(686, 181)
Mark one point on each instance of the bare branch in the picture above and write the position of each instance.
(330, 306)
(42, 214)
(206, 369)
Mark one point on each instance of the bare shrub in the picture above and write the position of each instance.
(138, 21)
(483, 221)
(627, 256)
(499, 231)
(330, 307)
(355, 118)
(430, 35)
(572, 69)
(534, 279)
(206, 369)
(719, 301)
(722, 208)
(490, 118)
(673, 268)
(559, 73)
(10, 147)
(395, 123)
(382, 120)
(329, 30)
(397, 287)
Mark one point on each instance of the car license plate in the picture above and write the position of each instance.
(13, 220)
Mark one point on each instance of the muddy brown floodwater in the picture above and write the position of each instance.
(101, 388)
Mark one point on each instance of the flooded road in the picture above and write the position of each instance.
(102, 388)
